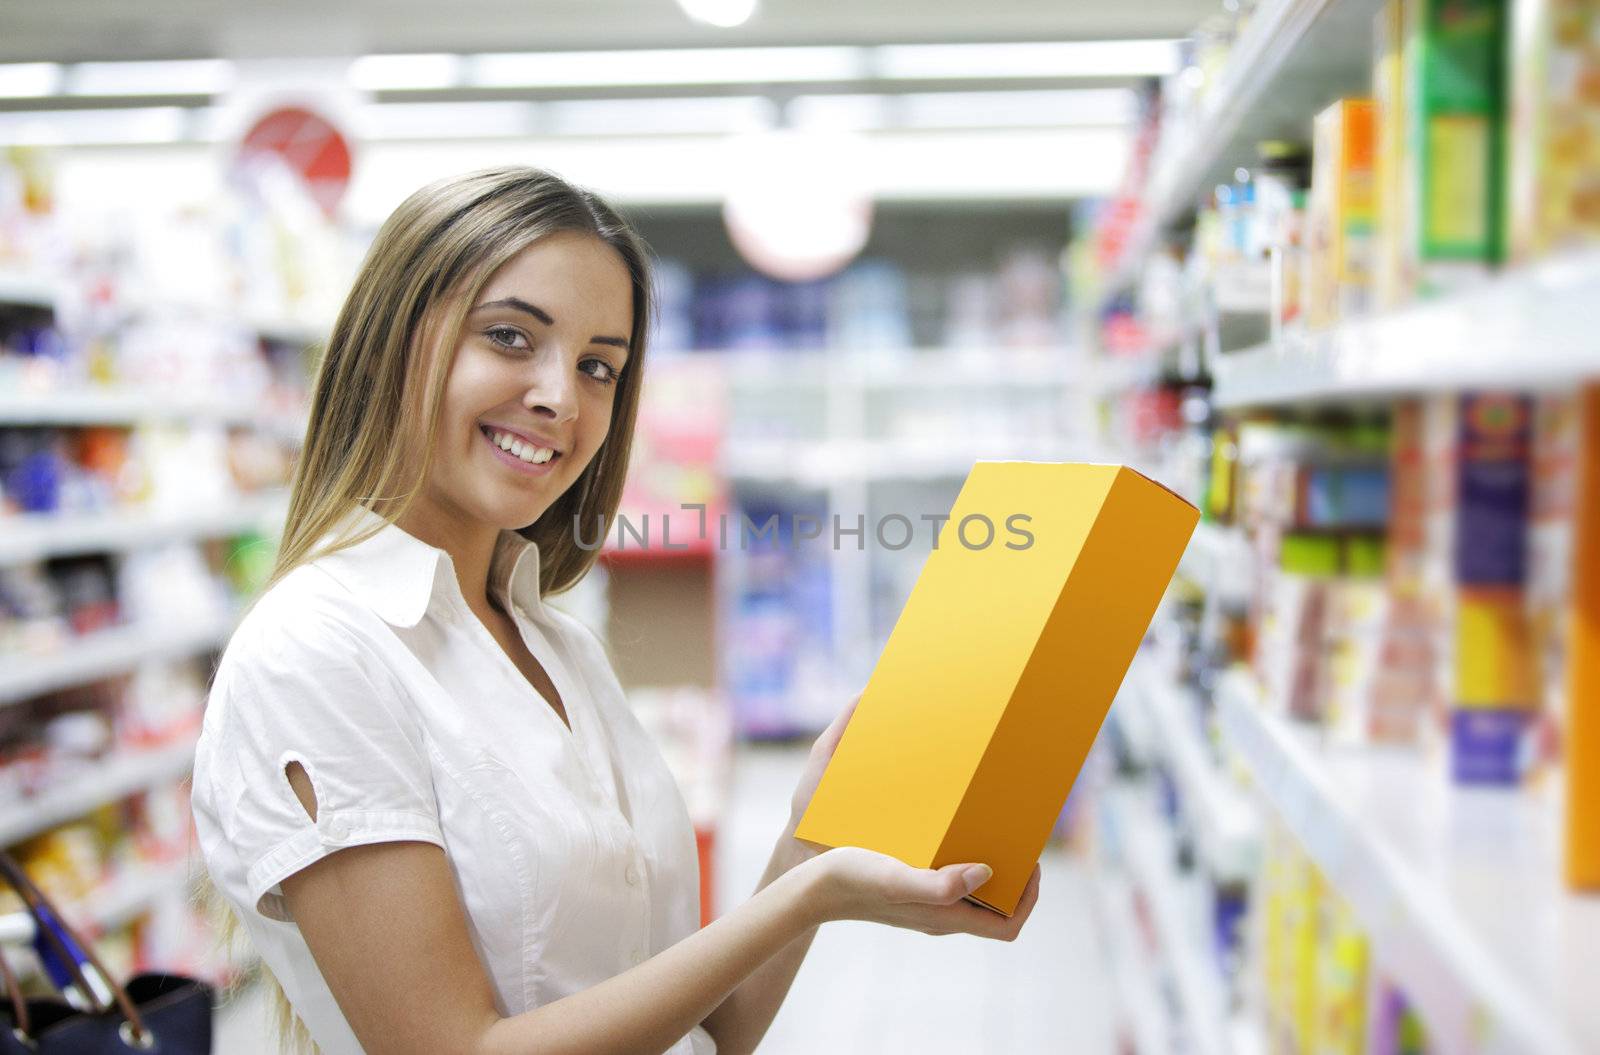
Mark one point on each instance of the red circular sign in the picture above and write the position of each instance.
(309, 145)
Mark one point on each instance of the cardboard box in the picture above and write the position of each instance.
(1001, 668)
(1454, 68)
(1340, 212)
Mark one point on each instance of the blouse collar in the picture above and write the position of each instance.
(396, 574)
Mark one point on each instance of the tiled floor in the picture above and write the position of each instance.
(872, 989)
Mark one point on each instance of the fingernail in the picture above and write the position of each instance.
(976, 876)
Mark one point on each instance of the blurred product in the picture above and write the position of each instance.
(1454, 109)
(1497, 686)
(1392, 282)
(1340, 213)
(1553, 127)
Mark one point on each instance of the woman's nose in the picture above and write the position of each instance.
(552, 390)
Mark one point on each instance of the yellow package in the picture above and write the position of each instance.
(1000, 670)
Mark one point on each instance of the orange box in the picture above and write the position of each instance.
(1000, 670)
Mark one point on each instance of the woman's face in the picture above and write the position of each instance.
(528, 399)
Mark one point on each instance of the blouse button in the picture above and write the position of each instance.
(633, 875)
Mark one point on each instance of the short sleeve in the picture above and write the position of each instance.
(316, 694)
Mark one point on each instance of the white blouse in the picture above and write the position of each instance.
(572, 851)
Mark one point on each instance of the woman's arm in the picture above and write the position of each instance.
(740, 1022)
(388, 933)
(389, 936)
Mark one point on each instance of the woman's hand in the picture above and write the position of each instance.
(821, 754)
(852, 883)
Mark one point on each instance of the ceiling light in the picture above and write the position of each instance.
(399, 73)
(183, 77)
(26, 80)
(1074, 58)
(722, 13)
(149, 124)
(564, 69)
(614, 117)
(489, 119)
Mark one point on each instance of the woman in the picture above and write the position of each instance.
(418, 785)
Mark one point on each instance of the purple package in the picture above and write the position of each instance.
(1492, 487)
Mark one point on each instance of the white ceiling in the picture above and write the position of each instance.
(72, 30)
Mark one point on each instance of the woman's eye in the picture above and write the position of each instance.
(600, 370)
(506, 337)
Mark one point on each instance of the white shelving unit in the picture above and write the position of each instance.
(1530, 327)
(1290, 60)
(103, 654)
(1210, 1027)
(1212, 561)
(1225, 822)
(1138, 992)
(132, 407)
(112, 781)
(37, 536)
(132, 894)
(19, 289)
(815, 464)
(1458, 889)
(949, 368)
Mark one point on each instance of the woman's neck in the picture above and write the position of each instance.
(470, 543)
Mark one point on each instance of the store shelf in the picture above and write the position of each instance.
(110, 781)
(103, 654)
(1459, 889)
(20, 290)
(818, 463)
(301, 333)
(1217, 560)
(1226, 825)
(1529, 328)
(132, 894)
(1147, 843)
(124, 407)
(1138, 993)
(1291, 60)
(940, 368)
(38, 536)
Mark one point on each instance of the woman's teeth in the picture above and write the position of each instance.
(526, 451)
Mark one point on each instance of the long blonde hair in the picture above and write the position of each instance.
(421, 275)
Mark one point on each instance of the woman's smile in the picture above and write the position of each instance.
(519, 454)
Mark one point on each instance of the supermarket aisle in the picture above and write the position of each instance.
(872, 989)
(866, 988)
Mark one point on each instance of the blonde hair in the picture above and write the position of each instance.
(421, 275)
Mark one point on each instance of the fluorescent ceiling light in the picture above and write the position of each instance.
(27, 80)
(1040, 109)
(380, 73)
(563, 69)
(724, 14)
(490, 119)
(149, 124)
(1064, 108)
(1075, 58)
(184, 77)
(853, 113)
(613, 117)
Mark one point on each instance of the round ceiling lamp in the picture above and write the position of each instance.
(797, 207)
(722, 13)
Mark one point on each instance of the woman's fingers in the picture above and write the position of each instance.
(829, 740)
(963, 917)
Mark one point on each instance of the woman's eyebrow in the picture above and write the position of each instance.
(544, 317)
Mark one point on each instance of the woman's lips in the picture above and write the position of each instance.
(530, 468)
